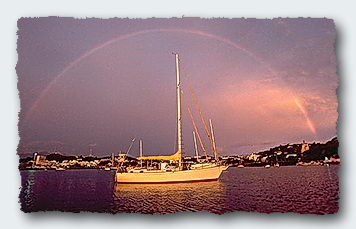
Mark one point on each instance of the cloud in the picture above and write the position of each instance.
(261, 110)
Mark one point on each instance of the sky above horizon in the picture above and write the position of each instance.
(101, 82)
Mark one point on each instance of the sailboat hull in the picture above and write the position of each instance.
(196, 175)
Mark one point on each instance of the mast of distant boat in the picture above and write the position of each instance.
(197, 133)
(197, 106)
(213, 141)
(141, 152)
(195, 146)
(179, 113)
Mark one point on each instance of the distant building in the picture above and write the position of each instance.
(305, 147)
(278, 152)
(253, 157)
(264, 159)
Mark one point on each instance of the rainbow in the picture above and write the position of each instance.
(142, 32)
(306, 115)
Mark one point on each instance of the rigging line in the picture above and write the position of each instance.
(202, 145)
(197, 133)
(132, 141)
(197, 106)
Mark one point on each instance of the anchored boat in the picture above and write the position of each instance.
(168, 174)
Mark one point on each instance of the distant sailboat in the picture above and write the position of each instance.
(167, 174)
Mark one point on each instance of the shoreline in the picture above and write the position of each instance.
(233, 166)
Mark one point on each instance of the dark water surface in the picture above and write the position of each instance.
(312, 190)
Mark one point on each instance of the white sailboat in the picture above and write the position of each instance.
(167, 174)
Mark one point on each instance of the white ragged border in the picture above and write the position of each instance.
(344, 14)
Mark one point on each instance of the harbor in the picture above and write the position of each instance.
(286, 155)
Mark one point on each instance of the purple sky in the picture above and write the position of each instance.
(105, 81)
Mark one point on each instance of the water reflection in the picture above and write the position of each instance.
(163, 198)
(71, 190)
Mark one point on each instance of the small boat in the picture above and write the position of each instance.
(60, 169)
(107, 169)
(240, 166)
(267, 166)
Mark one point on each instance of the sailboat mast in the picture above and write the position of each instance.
(179, 112)
(141, 152)
(195, 145)
(213, 140)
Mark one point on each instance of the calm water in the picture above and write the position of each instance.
(311, 189)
